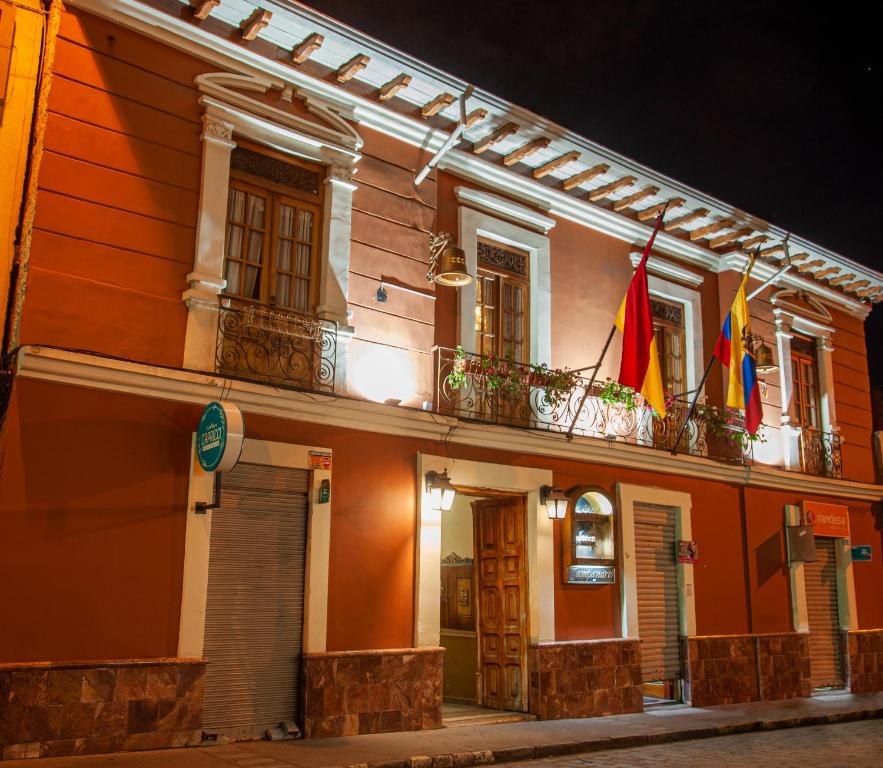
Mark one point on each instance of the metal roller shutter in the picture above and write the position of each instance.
(820, 578)
(254, 608)
(658, 624)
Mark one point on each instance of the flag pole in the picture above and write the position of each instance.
(692, 408)
(582, 402)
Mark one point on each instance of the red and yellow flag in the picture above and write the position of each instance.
(640, 360)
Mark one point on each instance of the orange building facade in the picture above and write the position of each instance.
(226, 210)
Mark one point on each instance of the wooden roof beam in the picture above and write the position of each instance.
(810, 265)
(685, 219)
(436, 105)
(390, 89)
(525, 150)
(553, 165)
(202, 8)
(355, 65)
(772, 250)
(255, 23)
(856, 285)
(730, 236)
(495, 137)
(475, 116)
(798, 257)
(306, 48)
(654, 210)
(868, 292)
(599, 193)
(825, 272)
(751, 242)
(641, 194)
(699, 232)
(583, 176)
(842, 279)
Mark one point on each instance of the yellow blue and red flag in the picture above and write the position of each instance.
(734, 351)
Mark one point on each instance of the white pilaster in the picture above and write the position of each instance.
(207, 278)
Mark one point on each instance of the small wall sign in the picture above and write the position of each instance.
(219, 437)
(827, 519)
(861, 553)
(591, 574)
(688, 551)
(320, 459)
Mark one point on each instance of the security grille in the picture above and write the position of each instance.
(820, 578)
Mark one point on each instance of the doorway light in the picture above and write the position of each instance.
(441, 492)
(555, 501)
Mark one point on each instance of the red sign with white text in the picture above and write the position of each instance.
(827, 519)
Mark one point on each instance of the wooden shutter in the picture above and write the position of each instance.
(658, 624)
(254, 610)
(820, 578)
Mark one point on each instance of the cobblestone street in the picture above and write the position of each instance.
(857, 745)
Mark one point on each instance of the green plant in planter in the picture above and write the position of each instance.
(614, 393)
(503, 373)
(728, 425)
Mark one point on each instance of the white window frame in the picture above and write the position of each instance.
(787, 320)
(474, 225)
(230, 114)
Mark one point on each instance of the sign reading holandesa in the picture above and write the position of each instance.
(827, 519)
(219, 437)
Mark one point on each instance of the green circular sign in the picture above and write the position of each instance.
(219, 437)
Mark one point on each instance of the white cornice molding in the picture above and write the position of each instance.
(111, 375)
(191, 38)
(496, 205)
(663, 268)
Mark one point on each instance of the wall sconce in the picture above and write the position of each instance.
(441, 492)
(447, 262)
(555, 501)
(763, 355)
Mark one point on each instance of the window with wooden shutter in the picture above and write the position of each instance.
(670, 331)
(272, 240)
(502, 302)
(805, 378)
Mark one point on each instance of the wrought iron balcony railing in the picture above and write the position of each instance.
(281, 347)
(820, 453)
(517, 395)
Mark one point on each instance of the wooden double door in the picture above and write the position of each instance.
(501, 575)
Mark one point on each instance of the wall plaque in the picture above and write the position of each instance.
(591, 574)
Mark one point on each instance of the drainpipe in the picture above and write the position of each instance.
(19, 273)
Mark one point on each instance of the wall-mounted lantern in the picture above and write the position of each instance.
(763, 355)
(555, 500)
(441, 492)
(447, 262)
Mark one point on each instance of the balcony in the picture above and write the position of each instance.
(820, 453)
(275, 346)
(517, 395)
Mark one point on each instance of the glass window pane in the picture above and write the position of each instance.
(283, 290)
(252, 288)
(233, 249)
(255, 247)
(231, 275)
(256, 208)
(302, 265)
(302, 295)
(283, 255)
(305, 226)
(236, 205)
(286, 220)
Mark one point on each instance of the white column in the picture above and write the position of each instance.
(799, 614)
(207, 278)
(828, 410)
(336, 230)
(790, 435)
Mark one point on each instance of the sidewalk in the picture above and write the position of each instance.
(483, 744)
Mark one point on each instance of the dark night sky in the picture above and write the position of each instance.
(768, 106)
